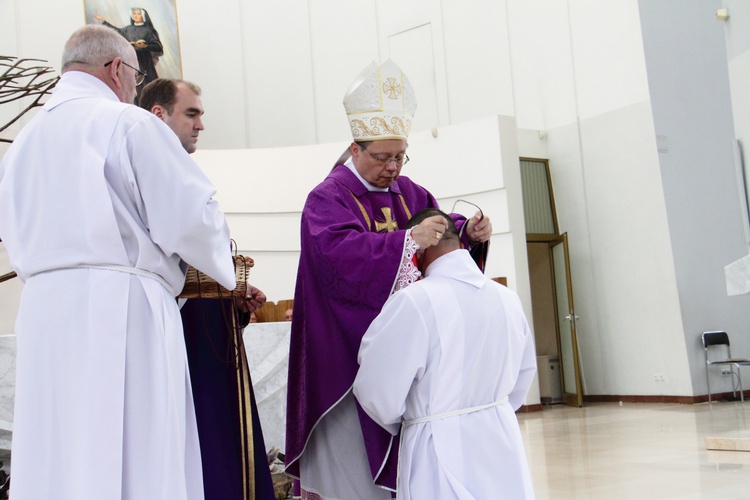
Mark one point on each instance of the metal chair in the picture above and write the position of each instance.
(712, 340)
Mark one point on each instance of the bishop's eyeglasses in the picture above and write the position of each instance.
(139, 75)
(384, 160)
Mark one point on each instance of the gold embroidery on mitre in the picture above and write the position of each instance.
(398, 123)
(380, 127)
(389, 224)
(359, 128)
(392, 88)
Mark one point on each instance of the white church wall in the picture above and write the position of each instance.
(737, 37)
(56, 20)
(542, 66)
(628, 253)
(477, 59)
(410, 33)
(607, 56)
(692, 113)
(532, 143)
(343, 36)
(578, 64)
(738, 54)
(213, 56)
(632, 265)
(739, 76)
(277, 66)
(21, 43)
(512, 189)
(9, 47)
(8, 43)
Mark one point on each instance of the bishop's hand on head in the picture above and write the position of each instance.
(429, 231)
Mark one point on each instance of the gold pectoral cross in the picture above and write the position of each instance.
(389, 225)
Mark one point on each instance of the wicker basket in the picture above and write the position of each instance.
(200, 285)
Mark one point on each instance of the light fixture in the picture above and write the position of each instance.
(722, 14)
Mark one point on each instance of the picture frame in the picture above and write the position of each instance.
(163, 18)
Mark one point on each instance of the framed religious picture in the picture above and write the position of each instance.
(151, 28)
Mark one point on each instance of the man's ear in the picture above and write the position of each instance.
(159, 111)
(112, 70)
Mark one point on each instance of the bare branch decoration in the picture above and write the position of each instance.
(24, 78)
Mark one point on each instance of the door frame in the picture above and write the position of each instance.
(566, 358)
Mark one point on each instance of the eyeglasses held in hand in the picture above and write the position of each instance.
(139, 75)
(481, 214)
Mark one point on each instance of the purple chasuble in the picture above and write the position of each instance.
(352, 245)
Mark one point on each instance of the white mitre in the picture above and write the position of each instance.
(380, 103)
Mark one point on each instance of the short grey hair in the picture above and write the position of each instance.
(95, 45)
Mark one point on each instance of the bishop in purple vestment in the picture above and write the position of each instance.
(355, 252)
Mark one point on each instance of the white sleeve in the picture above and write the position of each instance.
(392, 355)
(182, 216)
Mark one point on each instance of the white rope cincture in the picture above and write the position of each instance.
(122, 269)
(439, 416)
(454, 413)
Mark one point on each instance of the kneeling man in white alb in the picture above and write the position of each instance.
(447, 362)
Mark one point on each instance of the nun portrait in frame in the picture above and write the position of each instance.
(150, 26)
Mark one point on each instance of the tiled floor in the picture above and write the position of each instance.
(637, 451)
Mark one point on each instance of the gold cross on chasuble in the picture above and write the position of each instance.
(389, 225)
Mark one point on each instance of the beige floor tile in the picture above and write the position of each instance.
(637, 450)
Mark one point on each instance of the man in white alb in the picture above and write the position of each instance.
(101, 211)
(448, 361)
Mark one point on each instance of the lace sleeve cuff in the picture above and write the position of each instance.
(407, 271)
